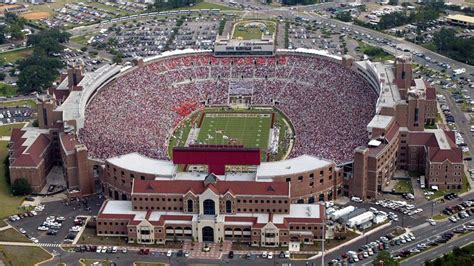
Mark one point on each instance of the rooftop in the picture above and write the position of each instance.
(379, 121)
(73, 107)
(463, 18)
(220, 187)
(313, 211)
(298, 164)
(140, 163)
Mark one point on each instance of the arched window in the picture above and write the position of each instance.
(190, 205)
(209, 207)
(228, 206)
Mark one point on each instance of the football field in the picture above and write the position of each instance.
(248, 129)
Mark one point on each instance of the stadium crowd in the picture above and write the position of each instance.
(328, 105)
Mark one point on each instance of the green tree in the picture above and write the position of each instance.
(35, 78)
(3, 30)
(387, 259)
(21, 187)
(344, 16)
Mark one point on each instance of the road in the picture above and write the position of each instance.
(438, 250)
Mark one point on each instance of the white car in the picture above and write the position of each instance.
(270, 255)
(43, 228)
(453, 219)
(371, 252)
(75, 229)
(287, 254)
(431, 222)
(23, 231)
(356, 199)
(99, 249)
(264, 254)
(169, 253)
(34, 240)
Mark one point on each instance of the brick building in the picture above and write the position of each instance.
(258, 213)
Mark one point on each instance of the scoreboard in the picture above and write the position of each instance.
(226, 47)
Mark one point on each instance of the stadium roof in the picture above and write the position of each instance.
(311, 51)
(295, 165)
(175, 52)
(140, 163)
(74, 106)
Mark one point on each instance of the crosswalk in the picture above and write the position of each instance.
(49, 245)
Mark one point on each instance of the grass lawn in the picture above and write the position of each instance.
(375, 53)
(9, 202)
(206, 5)
(141, 263)
(89, 237)
(81, 39)
(5, 130)
(12, 56)
(48, 7)
(403, 186)
(15, 255)
(11, 235)
(30, 102)
(111, 9)
(250, 130)
(251, 32)
(88, 262)
(7, 90)
(440, 216)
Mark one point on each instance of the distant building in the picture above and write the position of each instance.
(461, 20)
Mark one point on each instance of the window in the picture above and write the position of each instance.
(228, 206)
(190, 205)
(288, 179)
(311, 175)
(142, 177)
(300, 178)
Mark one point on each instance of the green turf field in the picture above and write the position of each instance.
(248, 129)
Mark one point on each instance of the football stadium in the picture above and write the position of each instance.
(168, 100)
(238, 143)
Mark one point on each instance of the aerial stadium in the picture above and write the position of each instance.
(237, 143)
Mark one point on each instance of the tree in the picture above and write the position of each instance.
(35, 78)
(387, 259)
(344, 16)
(2, 34)
(21, 187)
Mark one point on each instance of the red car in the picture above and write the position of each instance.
(144, 251)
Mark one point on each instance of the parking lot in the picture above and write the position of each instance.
(68, 213)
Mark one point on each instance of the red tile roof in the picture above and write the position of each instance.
(28, 156)
(69, 142)
(438, 155)
(221, 187)
(435, 154)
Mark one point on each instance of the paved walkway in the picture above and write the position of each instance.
(5, 228)
(216, 251)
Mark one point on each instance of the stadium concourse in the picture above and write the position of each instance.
(329, 105)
